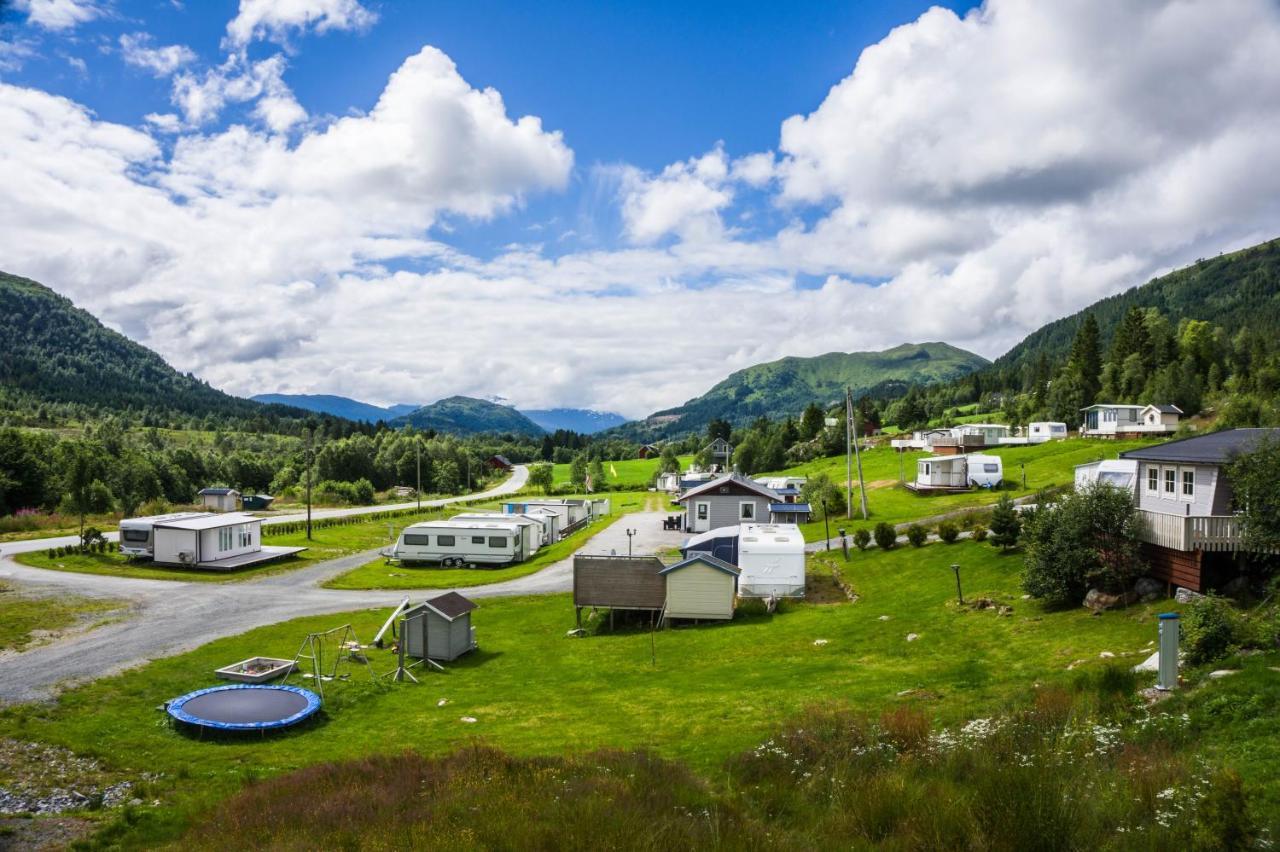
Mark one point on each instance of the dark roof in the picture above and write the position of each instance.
(780, 508)
(502, 460)
(1214, 448)
(1168, 409)
(219, 492)
(451, 605)
(729, 479)
(705, 559)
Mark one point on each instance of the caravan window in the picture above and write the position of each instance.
(135, 535)
(413, 540)
(988, 467)
(477, 539)
(445, 540)
(497, 541)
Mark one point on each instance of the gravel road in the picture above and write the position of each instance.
(173, 617)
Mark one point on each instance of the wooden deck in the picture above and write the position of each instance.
(1209, 533)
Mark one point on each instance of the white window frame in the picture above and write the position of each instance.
(1153, 472)
(245, 535)
(744, 503)
(702, 510)
(1168, 477)
(1182, 484)
(224, 539)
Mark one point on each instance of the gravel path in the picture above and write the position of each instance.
(174, 617)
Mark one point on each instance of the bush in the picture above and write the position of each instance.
(861, 538)
(948, 532)
(886, 536)
(917, 535)
(1211, 630)
(979, 532)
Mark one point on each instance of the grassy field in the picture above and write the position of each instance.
(631, 473)
(379, 574)
(1047, 465)
(712, 692)
(25, 619)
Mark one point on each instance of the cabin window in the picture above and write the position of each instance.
(497, 541)
(926, 468)
(445, 541)
(135, 535)
(1170, 482)
(413, 540)
(747, 511)
(1188, 485)
(703, 510)
(477, 539)
(245, 535)
(1153, 480)
(224, 538)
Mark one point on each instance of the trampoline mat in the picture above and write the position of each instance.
(245, 706)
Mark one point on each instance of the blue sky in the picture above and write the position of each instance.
(555, 203)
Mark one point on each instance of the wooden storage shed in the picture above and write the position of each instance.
(618, 582)
(701, 587)
(440, 629)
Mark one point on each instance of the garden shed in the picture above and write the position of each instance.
(440, 628)
(220, 499)
(618, 582)
(701, 587)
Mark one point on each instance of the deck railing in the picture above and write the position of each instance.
(1191, 532)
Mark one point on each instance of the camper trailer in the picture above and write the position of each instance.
(1041, 431)
(771, 559)
(722, 543)
(137, 535)
(984, 471)
(450, 543)
(1121, 473)
(530, 529)
(957, 473)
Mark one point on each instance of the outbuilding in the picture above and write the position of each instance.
(440, 629)
(220, 499)
(216, 542)
(701, 587)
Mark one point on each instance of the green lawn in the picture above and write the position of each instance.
(631, 473)
(27, 618)
(1047, 465)
(380, 574)
(714, 691)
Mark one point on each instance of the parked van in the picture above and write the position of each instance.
(470, 543)
(137, 535)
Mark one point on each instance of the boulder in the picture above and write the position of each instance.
(1148, 589)
(911, 637)
(1098, 600)
(1184, 596)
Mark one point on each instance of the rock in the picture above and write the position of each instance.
(1004, 610)
(442, 702)
(905, 693)
(1106, 655)
(1148, 589)
(911, 637)
(819, 642)
(884, 618)
(1221, 673)
(470, 720)
(1186, 595)
(1150, 664)
(1099, 601)
(1026, 597)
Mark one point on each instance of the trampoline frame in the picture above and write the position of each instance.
(175, 710)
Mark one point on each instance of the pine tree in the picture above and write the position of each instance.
(1006, 526)
(1086, 358)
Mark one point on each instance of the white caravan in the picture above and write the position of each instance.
(984, 471)
(489, 542)
(137, 535)
(530, 528)
(771, 559)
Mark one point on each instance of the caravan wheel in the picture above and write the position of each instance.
(447, 562)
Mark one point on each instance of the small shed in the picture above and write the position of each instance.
(440, 628)
(649, 451)
(701, 587)
(220, 499)
(934, 473)
(256, 502)
(498, 462)
(618, 582)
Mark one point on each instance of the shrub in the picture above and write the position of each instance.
(861, 538)
(948, 532)
(979, 532)
(1005, 524)
(51, 552)
(886, 536)
(1210, 630)
(917, 535)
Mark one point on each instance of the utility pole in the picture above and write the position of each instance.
(848, 461)
(417, 445)
(311, 434)
(857, 453)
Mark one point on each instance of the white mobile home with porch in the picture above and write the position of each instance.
(137, 535)
(1129, 421)
(215, 542)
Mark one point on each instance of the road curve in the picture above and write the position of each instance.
(510, 485)
(172, 617)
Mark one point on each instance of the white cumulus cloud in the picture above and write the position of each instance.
(275, 20)
(60, 14)
(162, 61)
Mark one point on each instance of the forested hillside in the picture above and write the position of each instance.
(462, 415)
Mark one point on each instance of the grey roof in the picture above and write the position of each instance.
(1168, 409)
(219, 492)
(732, 478)
(1214, 448)
(451, 605)
(208, 522)
(706, 559)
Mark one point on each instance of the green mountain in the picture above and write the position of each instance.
(338, 406)
(55, 352)
(784, 387)
(463, 415)
(1235, 291)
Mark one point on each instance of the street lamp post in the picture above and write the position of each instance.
(959, 594)
(630, 533)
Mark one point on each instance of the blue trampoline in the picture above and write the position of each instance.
(245, 707)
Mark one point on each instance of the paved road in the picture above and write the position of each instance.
(172, 617)
(519, 476)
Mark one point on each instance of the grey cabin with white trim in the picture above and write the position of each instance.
(726, 502)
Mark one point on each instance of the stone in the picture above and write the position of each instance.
(1148, 589)
(1150, 664)
(819, 642)
(1221, 673)
(884, 618)
(1106, 655)
(911, 637)
(470, 720)
(1184, 596)
(1099, 601)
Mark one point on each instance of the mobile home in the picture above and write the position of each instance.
(218, 542)
(137, 535)
(722, 502)
(983, 470)
(958, 473)
(486, 542)
(1129, 421)
(1046, 430)
(771, 559)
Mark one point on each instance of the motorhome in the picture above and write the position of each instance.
(450, 543)
(137, 535)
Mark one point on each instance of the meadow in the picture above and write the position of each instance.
(28, 618)
(621, 475)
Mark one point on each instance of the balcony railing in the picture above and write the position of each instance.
(1191, 532)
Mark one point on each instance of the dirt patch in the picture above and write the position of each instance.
(42, 833)
(42, 779)
(881, 483)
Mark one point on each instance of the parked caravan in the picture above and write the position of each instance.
(450, 543)
(722, 543)
(550, 520)
(771, 559)
(1039, 432)
(1122, 473)
(530, 529)
(984, 471)
(137, 535)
